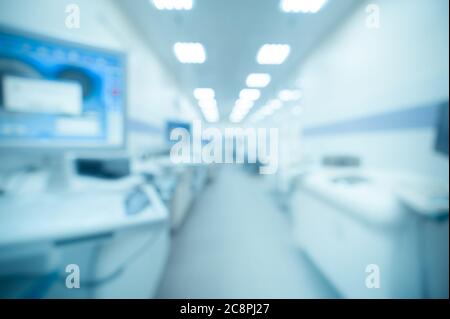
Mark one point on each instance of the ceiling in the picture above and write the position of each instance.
(232, 32)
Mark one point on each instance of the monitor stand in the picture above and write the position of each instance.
(61, 171)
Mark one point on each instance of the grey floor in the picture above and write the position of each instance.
(236, 243)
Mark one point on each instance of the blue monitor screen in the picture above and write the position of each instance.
(442, 129)
(58, 94)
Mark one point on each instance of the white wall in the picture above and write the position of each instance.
(153, 96)
(359, 72)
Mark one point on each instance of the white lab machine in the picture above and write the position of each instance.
(55, 106)
(119, 254)
(179, 185)
(349, 221)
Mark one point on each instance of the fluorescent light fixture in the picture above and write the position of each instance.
(267, 111)
(250, 94)
(275, 104)
(173, 4)
(258, 80)
(211, 115)
(207, 104)
(239, 113)
(212, 118)
(209, 109)
(244, 104)
(273, 53)
(262, 113)
(240, 110)
(303, 6)
(289, 95)
(204, 94)
(236, 117)
(189, 52)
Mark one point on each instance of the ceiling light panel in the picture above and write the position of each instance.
(204, 94)
(302, 6)
(209, 109)
(271, 107)
(240, 110)
(273, 53)
(258, 80)
(173, 4)
(250, 94)
(244, 104)
(237, 117)
(290, 95)
(189, 52)
(213, 118)
(275, 104)
(211, 115)
(207, 104)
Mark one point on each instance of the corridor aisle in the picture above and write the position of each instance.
(236, 243)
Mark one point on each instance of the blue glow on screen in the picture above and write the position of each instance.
(100, 73)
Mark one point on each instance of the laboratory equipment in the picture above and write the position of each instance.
(119, 255)
(346, 221)
(349, 221)
(57, 97)
(110, 167)
(442, 129)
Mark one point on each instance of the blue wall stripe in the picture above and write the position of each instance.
(139, 126)
(418, 117)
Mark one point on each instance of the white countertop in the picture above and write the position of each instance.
(377, 200)
(92, 207)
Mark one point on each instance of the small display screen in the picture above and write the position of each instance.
(442, 129)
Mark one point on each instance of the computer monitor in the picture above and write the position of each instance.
(442, 129)
(58, 95)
